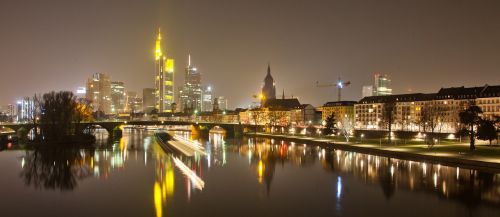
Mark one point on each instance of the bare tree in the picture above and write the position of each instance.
(258, 116)
(433, 119)
(346, 127)
(276, 118)
(388, 113)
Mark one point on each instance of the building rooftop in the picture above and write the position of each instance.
(398, 98)
(468, 92)
(340, 103)
(443, 93)
(283, 103)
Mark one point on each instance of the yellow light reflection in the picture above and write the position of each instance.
(260, 170)
(157, 200)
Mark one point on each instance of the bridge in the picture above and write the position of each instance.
(198, 128)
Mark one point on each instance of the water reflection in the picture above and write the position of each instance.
(56, 169)
(269, 169)
(164, 185)
(471, 187)
(467, 186)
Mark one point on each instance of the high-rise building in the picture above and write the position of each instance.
(382, 85)
(207, 99)
(164, 80)
(269, 88)
(148, 99)
(133, 102)
(191, 99)
(117, 97)
(99, 92)
(25, 110)
(222, 102)
(81, 92)
(11, 112)
(367, 90)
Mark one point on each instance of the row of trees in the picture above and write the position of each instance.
(432, 118)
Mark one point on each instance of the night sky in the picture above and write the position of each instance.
(422, 44)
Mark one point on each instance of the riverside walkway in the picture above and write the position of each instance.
(453, 154)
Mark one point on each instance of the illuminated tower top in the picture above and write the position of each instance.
(158, 50)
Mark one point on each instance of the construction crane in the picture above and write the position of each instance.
(339, 84)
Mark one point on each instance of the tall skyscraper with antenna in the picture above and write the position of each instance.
(164, 78)
(191, 93)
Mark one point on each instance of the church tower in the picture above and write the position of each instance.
(269, 89)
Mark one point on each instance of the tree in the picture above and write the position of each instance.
(431, 116)
(83, 113)
(258, 116)
(276, 117)
(346, 127)
(329, 127)
(470, 118)
(60, 115)
(486, 130)
(387, 121)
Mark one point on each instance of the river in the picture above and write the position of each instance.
(241, 177)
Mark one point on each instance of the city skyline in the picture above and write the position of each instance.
(377, 37)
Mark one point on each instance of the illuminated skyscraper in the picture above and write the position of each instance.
(367, 91)
(382, 85)
(191, 93)
(117, 97)
(222, 102)
(99, 92)
(207, 99)
(164, 80)
(133, 103)
(25, 110)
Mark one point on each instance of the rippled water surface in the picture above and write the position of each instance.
(247, 177)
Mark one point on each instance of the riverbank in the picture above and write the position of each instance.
(485, 157)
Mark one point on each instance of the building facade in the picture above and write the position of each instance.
(340, 109)
(117, 97)
(222, 103)
(99, 92)
(148, 100)
(207, 99)
(25, 110)
(367, 91)
(133, 102)
(435, 112)
(382, 85)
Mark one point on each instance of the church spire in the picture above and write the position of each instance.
(283, 97)
(268, 69)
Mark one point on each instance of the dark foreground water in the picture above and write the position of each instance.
(237, 178)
